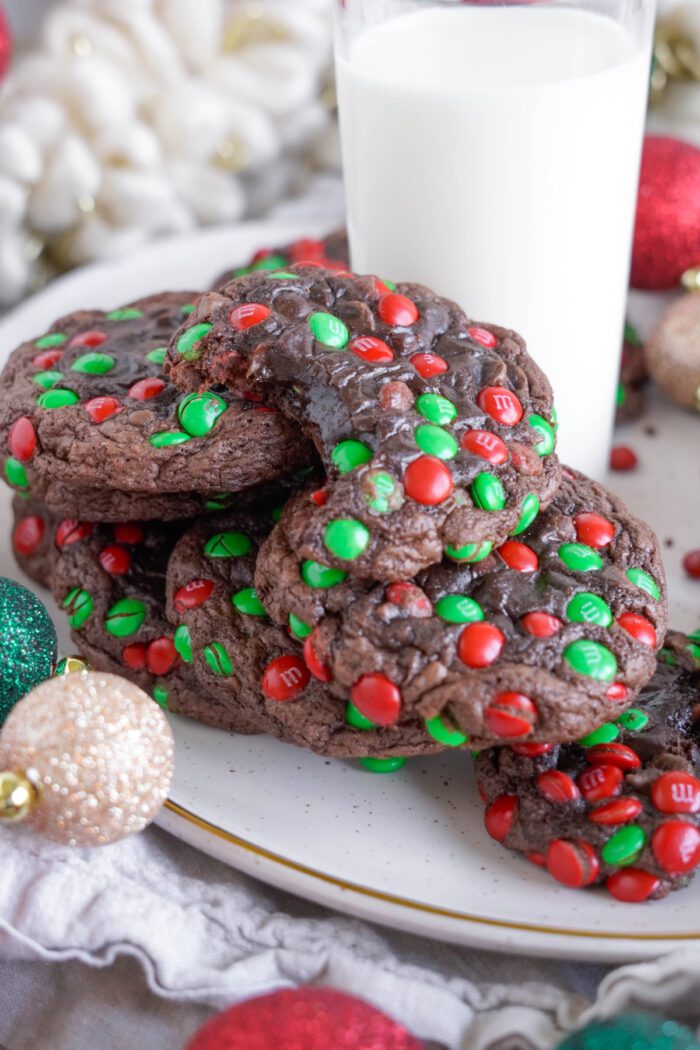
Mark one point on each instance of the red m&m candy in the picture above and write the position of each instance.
(501, 404)
(397, 310)
(501, 815)
(617, 693)
(483, 336)
(89, 339)
(600, 782)
(632, 885)
(691, 564)
(22, 439)
(593, 530)
(619, 811)
(285, 678)
(317, 667)
(101, 408)
(47, 359)
(510, 715)
(429, 365)
(370, 349)
(615, 755)
(428, 481)
(145, 389)
(622, 458)
(28, 534)
(574, 864)
(377, 698)
(676, 792)
(676, 846)
(115, 560)
(541, 624)
(161, 656)
(518, 556)
(531, 750)
(480, 644)
(192, 595)
(411, 598)
(72, 531)
(557, 787)
(248, 315)
(487, 445)
(639, 627)
(134, 656)
(128, 533)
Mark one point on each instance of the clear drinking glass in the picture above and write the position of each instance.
(491, 151)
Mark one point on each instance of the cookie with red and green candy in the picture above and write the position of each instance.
(539, 641)
(633, 376)
(435, 432)
(258, 667)
(87, 404)
(33, 538)
(330, 253)
(622, 806)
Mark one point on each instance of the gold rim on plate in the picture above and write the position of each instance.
(405, 902)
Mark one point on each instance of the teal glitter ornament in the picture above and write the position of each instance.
(632, 1032)
(28, 648)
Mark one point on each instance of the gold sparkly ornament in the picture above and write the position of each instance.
(673, 351)
(97, 754)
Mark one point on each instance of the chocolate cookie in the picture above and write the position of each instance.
(330, 253)
(539, 641)
(435, 432)
(87, 404)
(621, 807)
(633, 376)
(32, 538)
(249, 663)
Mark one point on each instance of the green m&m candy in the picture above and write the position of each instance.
(126, 313)
(624, 846)
(383, 765)
(355, 718)
(188, 342)
(283, 275)
(47, 379)
(529, 510)
(320, 576)
(470, 552)
(57, 399)
(15, 473)
(247, 601)
(546, 438)
(620, 396)
(329, 330)
(183, 643)
(436, 409)
(589, 608)
(381, 492)
(198, 413)
(634, 720)
(217, 659)
(187, 309)
(270, 262)
(579, 557)
(220, 502)
(52, 339)
(160, 695)
(645, 582)
(605, 734)
(487, 492)
(125, 617)
(157, 356)
(592, 659)
(458, 608)
(347, 455)
(298, 628)
(435, 441)
(228, 545)
(78, 605)
(346, 538)
(94, 364)
(444, 734)
(168, 438)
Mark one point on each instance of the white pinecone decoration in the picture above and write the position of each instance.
(138, 118)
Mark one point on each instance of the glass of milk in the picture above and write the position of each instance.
(491, 151)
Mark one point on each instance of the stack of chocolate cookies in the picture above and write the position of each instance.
(328, 508)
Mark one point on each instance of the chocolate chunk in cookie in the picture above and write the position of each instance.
(539, 641)
(249, 663)
(436, 433)
(622, 806)
(87, 404)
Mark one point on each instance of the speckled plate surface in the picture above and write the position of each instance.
(407, 850)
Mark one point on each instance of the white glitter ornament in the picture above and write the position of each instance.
(137, 118)
(90, 759)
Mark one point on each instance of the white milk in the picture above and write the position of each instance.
(493, 154)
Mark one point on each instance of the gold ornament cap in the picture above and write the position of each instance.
(18, 796)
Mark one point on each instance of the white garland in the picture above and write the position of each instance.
(137, 118)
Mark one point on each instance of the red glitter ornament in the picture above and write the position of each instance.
(303, 1019)
(5, 44)
(667, 232)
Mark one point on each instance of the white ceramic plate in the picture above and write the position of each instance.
(407, 850)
